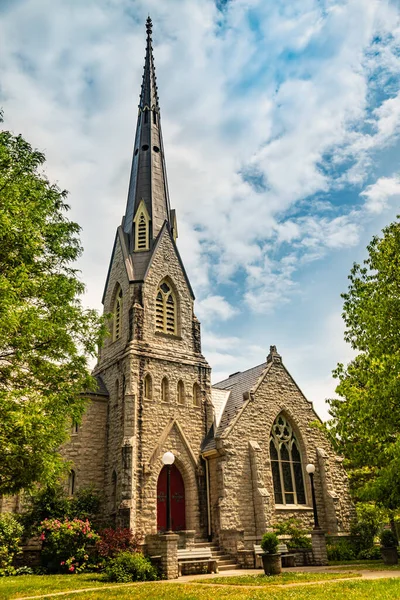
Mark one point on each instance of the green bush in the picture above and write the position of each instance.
(269, 543)
(298, 534)
(53, 503)
(388, 539)
(367, 524)
(342, 550)
(10, 539)
(373, 553)
(130, 566)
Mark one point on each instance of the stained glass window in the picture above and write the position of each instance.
(286, 465)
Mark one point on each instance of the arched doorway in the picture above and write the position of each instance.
(178, 517)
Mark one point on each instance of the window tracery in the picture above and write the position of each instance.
(165, 309)
(286, 464)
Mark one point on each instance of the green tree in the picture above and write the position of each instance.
(46, 336)
(365, 424)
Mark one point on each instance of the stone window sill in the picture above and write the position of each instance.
(168, 335)
(293, 507)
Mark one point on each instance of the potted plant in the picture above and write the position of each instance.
(389, 547)
(271, 559)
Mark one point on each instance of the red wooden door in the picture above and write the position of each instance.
(178, 520)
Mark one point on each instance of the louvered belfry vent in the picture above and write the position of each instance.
(142, 233)
(165, 309)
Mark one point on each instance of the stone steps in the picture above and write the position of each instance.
(225, 562)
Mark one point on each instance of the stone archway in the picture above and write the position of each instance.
(178, 511)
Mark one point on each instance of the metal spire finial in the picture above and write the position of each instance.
(149, 26)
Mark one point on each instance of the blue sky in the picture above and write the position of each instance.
(281, 125)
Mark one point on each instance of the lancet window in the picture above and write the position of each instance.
(117, 316)
(148, 387)
(181, 392)
(286, 464)
(196, 395)
(165, 309)
(71, 483)
(164, 390)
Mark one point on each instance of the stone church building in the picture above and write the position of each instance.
(241, 445)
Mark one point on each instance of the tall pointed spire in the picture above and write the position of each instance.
(148, 182)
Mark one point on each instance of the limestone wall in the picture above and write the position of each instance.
(86, 448)
(140, 430)
(247, 502)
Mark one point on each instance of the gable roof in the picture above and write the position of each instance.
(227, 398)
(167, 227)
(237, 384)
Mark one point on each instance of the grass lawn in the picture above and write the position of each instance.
(367, 565)
(383, 589)
(352, 589)
(284, 578)
(33, 585)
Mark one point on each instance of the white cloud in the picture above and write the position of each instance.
(378, 194)
(259, 116)
(214, 307)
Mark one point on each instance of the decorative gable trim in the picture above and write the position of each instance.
(121, 237)
(167, 227)
(157, 450)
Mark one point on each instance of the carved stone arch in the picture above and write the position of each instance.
(116, 289)
(116, 308)
(173, 439)
(188, 473)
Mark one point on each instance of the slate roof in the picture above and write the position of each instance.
(219, 399)
(148, 181)
(237, 384)
(234, 387)
(101, 389)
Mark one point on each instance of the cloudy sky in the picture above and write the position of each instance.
(281, 123)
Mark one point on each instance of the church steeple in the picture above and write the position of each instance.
(148, 188)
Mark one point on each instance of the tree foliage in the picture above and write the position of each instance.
(46, 336)
(365, 424)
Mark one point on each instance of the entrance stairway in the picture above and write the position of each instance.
(225, 562)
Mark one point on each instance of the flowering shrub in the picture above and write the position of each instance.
(10, 539)
(117, 540)
(65, 544)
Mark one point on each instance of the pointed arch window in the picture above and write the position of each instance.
(166, 309)
(164, 390)
(71, 483)
(181, 392)
(196, 395)
(114, 491)
(141, 222)
(116, 391)
(117, 316)
(286, 464)
(148, 387)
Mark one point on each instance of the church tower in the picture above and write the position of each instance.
(151, 365)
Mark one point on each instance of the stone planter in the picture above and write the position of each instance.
(389, 556)
(272, 563)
